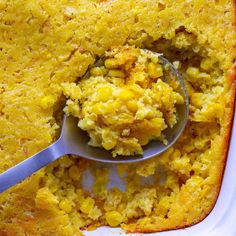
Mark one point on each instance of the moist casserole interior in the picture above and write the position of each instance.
(44, 44)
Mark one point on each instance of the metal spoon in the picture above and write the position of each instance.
(75, 141)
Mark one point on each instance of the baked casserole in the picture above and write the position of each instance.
(46, 47)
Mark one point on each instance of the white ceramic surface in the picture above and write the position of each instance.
(222, 219)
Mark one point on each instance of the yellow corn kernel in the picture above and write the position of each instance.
(111, 120)
(74, 173)
(83, 111)
(145, 112)
(121, 206)
(116, 73)
(193, 72)
(219, 110)
(154, 70)
(204, 75)
(206, 64)
(111, 63)
(115, 80)
(47, 102)
(104, 93)
(98, 108)
(158, 123)
(112, 107)
(196, 99)
(109, 144)
(155, 59)
(136, 89)
(94, 214)
(113, 218)
(86, 124)
(125, 118)
(65, 205)
(59, 173)
(96, 71)
(125, 94)
(87, 205)
(132, 105)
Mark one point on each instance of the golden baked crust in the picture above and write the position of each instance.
(45, 43)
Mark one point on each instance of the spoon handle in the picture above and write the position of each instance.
(27, 167)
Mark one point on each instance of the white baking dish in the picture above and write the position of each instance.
(221, 220)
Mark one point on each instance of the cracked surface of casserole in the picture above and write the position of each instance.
(44, 44)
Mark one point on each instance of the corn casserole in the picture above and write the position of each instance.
(46, 47)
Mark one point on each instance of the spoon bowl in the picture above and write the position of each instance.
(75, 141)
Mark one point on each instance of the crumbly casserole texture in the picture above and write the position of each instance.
(44, 44)
(126, 100)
